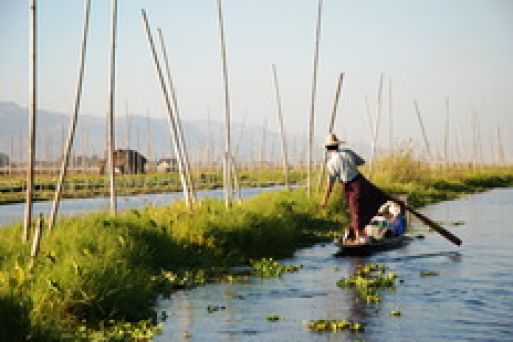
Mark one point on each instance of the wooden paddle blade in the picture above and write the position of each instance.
(441, 230)
(438, 228)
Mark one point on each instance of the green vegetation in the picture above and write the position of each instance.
(368, 280)
(98, 277)
(95, 271)
(267, 267)
(425, 183)
(323, 325)
(92, 185)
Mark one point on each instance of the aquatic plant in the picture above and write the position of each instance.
(323, 325)
(367, 280)
(429, 273)
(395, 313)
(267, 267)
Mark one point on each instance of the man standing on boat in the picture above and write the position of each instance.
(362, 197)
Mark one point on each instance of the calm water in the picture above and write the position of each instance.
(470, 300)
(10, 213)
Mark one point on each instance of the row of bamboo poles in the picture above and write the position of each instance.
(164, 76)
(177, 134)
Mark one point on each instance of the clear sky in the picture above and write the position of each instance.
(460, 49)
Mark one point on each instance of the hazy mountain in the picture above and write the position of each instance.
(148, 134)
(205, 139)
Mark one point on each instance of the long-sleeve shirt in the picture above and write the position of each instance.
(343, 165)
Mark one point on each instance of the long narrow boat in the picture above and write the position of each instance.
(350, 248)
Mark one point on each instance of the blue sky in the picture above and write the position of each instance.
(461, 49)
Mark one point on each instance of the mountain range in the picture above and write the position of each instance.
(150, 135)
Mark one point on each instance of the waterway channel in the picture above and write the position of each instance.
(469, 296)
(10, 213)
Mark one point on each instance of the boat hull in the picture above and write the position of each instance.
(349, 249)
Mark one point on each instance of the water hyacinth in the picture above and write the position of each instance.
(267, 267)
(323, 325)
(144, 330)
(367, 280)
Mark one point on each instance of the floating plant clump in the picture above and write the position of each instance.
(172, 281)
(367, 280)
(429, 273)
(323, 325)
(111, 330)
(267, 267)
(395, 313)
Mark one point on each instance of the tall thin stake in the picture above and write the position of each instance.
(424, 135)
(11, 154)
(446, 135)
(500, 148)
(367, 113)
(171, 120)
(111, 143)
(181, 138)
(282, 129)
(235, 176)
(312, 102)
(36, 243)
(390, 119)
(227, 153)
(73, 124)
(32, 119)
(331, 125)
(375, 132)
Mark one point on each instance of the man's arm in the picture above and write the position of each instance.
(327, 192)
(358, 160)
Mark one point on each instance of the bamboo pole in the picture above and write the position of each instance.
(479, 144)
(235, 176)
(73, 123)
(148, 132)
(211, 140)
(36, 243)
(262, 152)
(128, 126)
(390, 118)
(241, 134)
(500, 148)
(331, 126)
(424, 135)
(375, 132)
(181, 137)
(227, 154)
(369, 117)
(11, 154)
(282, 129)
(446, 135)
(171, 120)
(111, 142)
(32, 118)
(312, 102)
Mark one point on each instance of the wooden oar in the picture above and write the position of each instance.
(427, 221)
